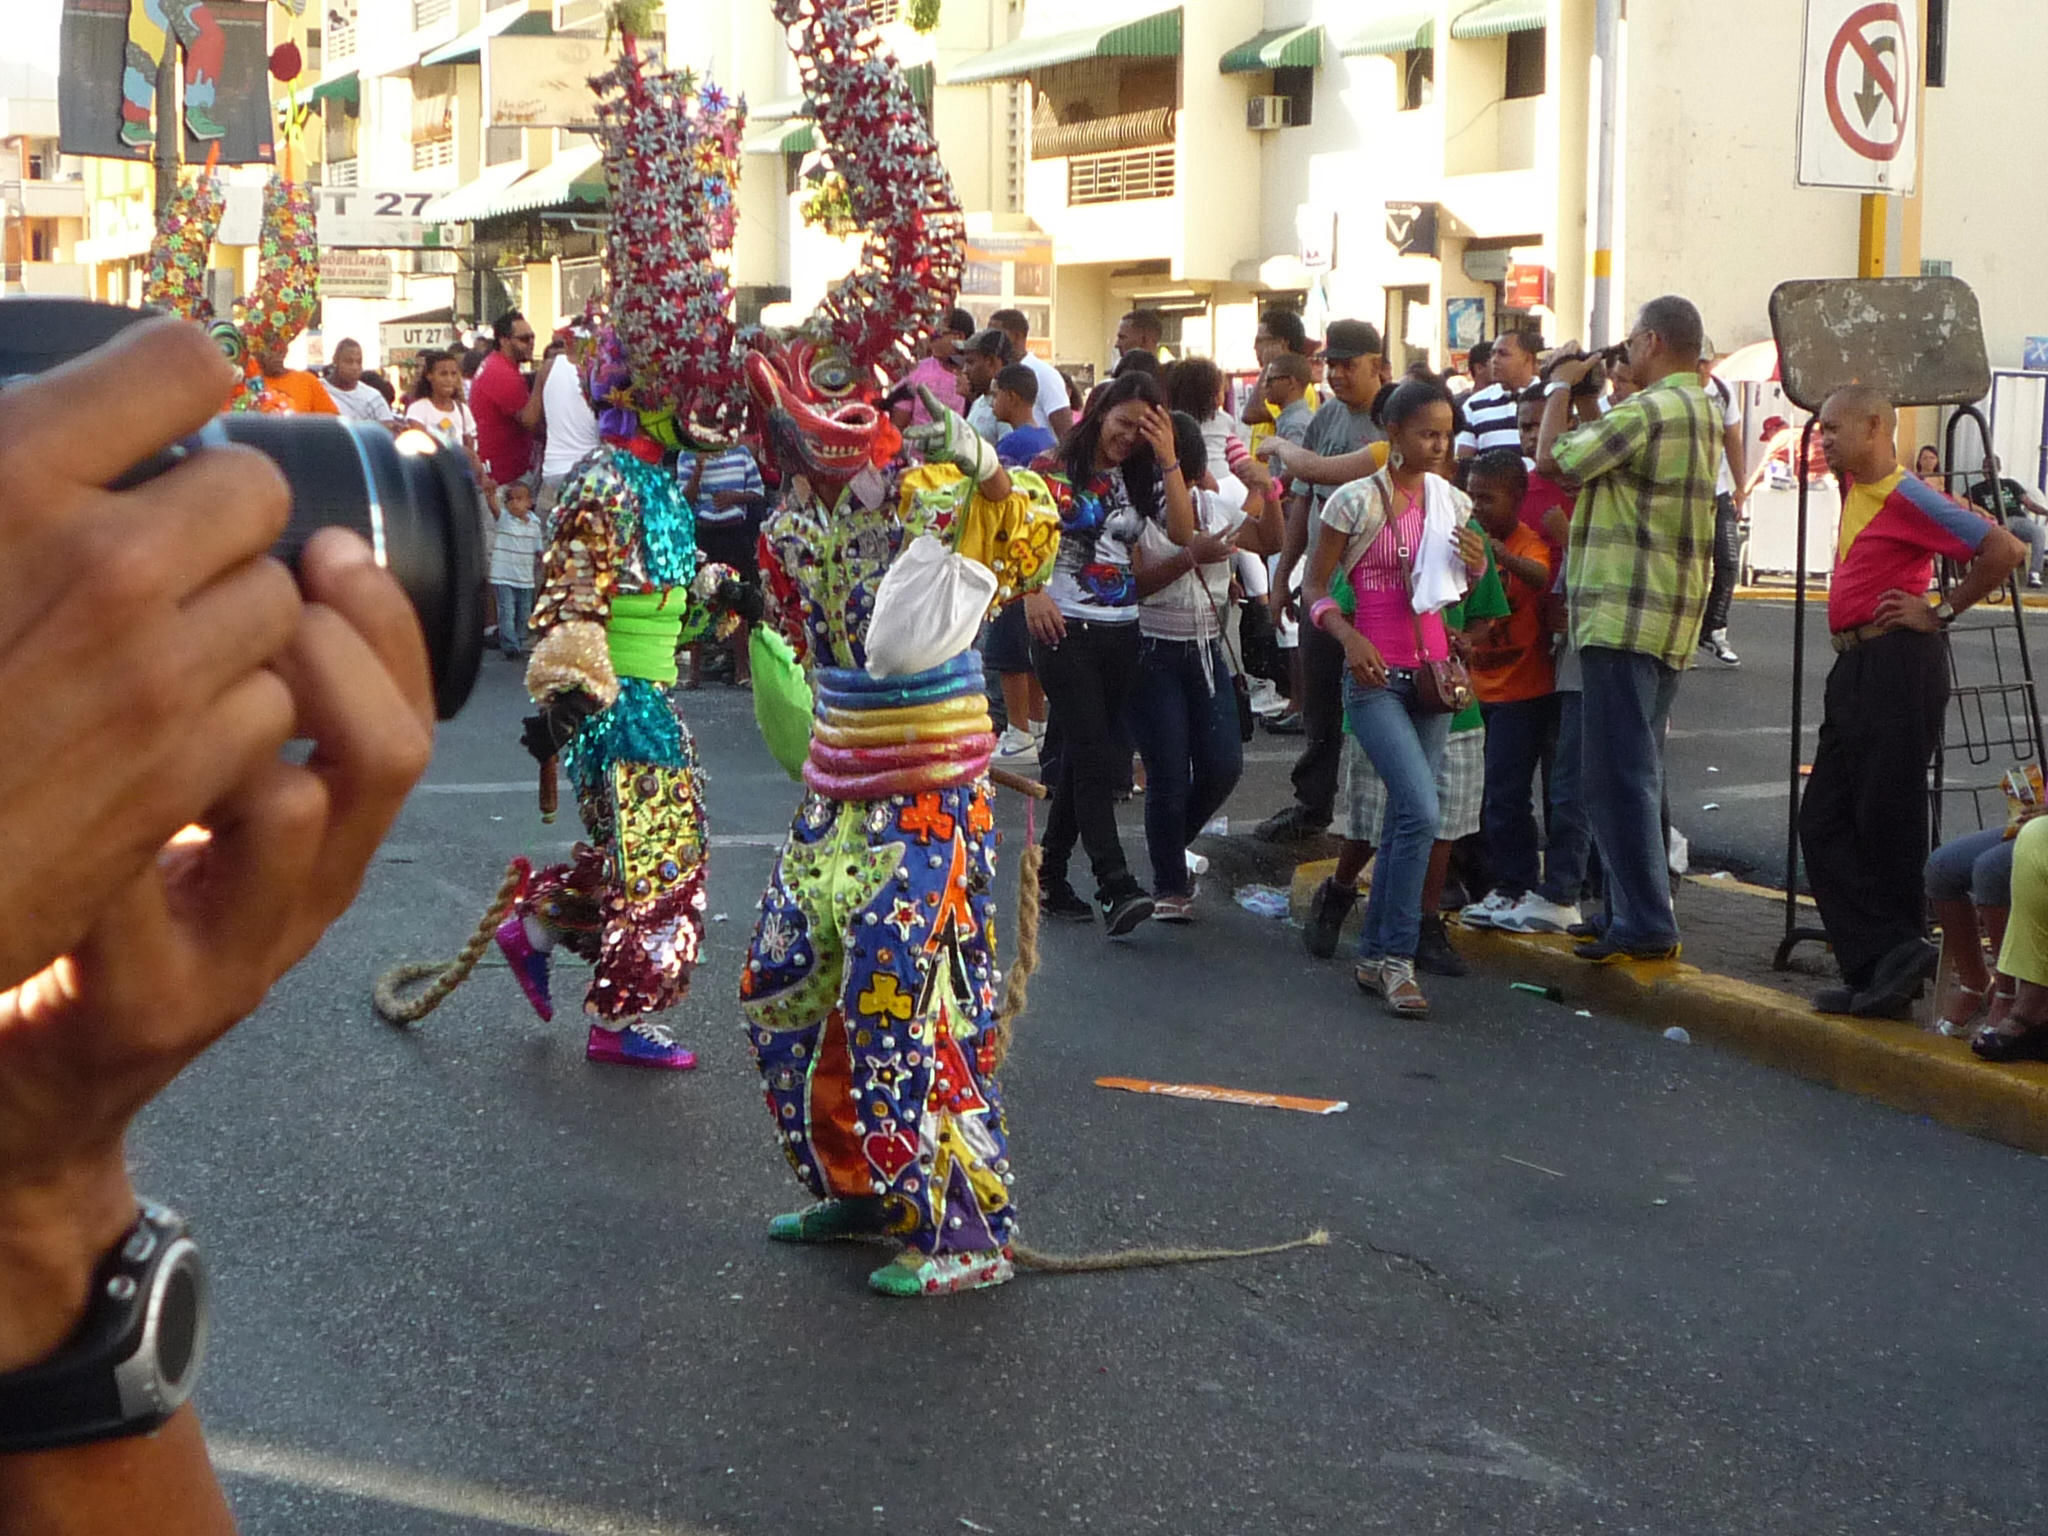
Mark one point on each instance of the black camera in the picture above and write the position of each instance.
(412, 500)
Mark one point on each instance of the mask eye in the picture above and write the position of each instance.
(229, 340)
(831, 376)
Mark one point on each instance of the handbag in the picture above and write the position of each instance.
(1247, 722)
(1441, 687)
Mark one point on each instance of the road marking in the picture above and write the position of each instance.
(1773, 790)
(1708, 733)
(1215, 1095)
(522, 787)
(235, 1457)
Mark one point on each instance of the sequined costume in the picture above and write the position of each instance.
(622, 588)
(871, 981)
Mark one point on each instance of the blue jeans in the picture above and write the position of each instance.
(1183, 714)
(1626, 702)
(515, 608)
(1406, 751)
(1976, 867)
(1571, 840)
(1517, 735)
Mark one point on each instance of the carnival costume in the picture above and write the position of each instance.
(623, 587)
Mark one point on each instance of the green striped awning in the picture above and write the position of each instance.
(574, 178)
(1276, 48)
(796, 136)
(1148, 37)
(348, 87)
(1398, 29)
(1497, 18)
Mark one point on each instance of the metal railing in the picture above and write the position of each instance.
(341, 41)
(1132, 177)
(342, 173)
(430, 154)
(427, 13)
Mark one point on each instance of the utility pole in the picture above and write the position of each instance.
(170, 123)
(1607, 54)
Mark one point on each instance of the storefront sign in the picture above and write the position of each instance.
(346, 274)
(1411, 228)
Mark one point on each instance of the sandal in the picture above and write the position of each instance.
(1398, 986)
(1367, 974)
(2012, 1039)
(1957, 1023)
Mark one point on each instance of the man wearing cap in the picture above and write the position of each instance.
(1353, 373)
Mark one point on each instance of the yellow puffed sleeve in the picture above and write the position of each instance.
(1017, 538)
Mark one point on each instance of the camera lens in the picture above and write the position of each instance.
(411, 500)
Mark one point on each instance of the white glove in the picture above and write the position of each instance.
(948, 439)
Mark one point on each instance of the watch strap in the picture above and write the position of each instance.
(98, 1386)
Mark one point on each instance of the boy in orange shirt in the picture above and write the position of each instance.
(1515, 678)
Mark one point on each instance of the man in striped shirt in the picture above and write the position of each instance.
(1490, 412)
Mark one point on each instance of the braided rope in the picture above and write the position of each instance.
(1017, 987)
(1152, 1258)
(388, 995)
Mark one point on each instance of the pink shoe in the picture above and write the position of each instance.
(640, 1044)
(529, 965)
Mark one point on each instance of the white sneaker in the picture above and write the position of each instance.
(1715, 642)
(1486, 914)
(1533, 914)
(1016, 746)
(1266, 698)
(1198, 863)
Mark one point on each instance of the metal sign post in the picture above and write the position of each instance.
(1919, 341)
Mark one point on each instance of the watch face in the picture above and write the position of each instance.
(178, 1326)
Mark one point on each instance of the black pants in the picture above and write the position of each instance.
(1863, 821)
(1727, 563)
(1322, 721)
(1087, 679)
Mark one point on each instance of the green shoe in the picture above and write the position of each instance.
(941, 1274)
(201, 126)
(829, 1221)
(137, 135)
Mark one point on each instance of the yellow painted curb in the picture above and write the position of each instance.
(1898, 1064)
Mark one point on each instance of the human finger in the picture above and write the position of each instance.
(337, 570)
(40, 420)
(244, 895)
(371, 742)
(220, 507)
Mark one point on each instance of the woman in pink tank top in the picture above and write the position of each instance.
(1419, 546)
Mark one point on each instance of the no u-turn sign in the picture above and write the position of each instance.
(1859, 95)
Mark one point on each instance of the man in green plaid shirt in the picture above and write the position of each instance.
(1637, 573)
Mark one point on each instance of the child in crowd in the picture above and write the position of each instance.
(1014, 398)
(1514, 675)
(514, 559)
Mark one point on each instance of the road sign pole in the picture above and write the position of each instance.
(1870, 233)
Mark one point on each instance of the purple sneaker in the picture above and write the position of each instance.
(529, 965)
(639, 1044)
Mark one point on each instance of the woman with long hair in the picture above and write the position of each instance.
(1196, 386)
(1116, 469)
(1183, 709)
(1398, 539)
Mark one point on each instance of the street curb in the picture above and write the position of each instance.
(1897, 1064)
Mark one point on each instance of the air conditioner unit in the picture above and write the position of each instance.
(1264, 112)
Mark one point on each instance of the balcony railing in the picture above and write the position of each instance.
(429, 13)
(342, 173)
(1126, 178)
(430, 154)
(341, 41)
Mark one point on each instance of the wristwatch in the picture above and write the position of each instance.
(1945, 612)
(132, 1361)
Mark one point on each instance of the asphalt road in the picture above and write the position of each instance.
(1731, 732)
(1583, 1279)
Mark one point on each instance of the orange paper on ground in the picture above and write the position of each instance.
(1215, 1095)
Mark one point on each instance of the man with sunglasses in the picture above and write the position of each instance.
(507, 411)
